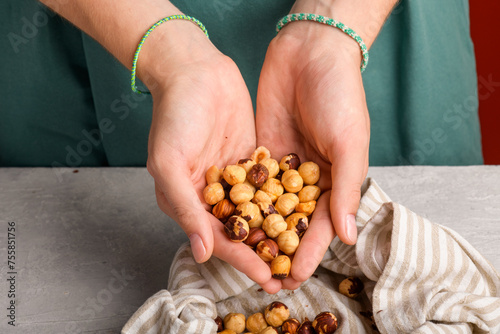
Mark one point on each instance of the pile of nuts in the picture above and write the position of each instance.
(265, 204)
(276, 317)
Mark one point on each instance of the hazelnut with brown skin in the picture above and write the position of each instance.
(258, 175)
(235, 322)
(251, 213)
(234, 174)
(292, 181)
(273, 225)
(272, 166)
(276, 313)
(260, 154)
(213, 174)
(273, 188)
(290, 326)
(267, 209)
(309, 171)
(280, 267)
(309, 193)
(213, 193)
(256, 322)
(306, 327)
(286, 204)
(220, 324)
(236, 229)
(246, 164)
(269, 330)
(223, 210)
(298, 223)
(351, 287)
(267, 250)
(306, 208)
(325, 323)
(290, 161)
(288, 242)
(255, 236)
(241, 193)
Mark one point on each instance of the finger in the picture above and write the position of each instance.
(315, 241)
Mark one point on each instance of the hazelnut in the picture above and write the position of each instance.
(223, 210)
(213, 175)
(213, 193)
(309, 193)
(290, 326)
(288, 241)
(298, 223)
(273, 188)
(250, 212)
(235, 321)
(306, 208)
(255, 236)
(257, 175)
(251, 186)
(269, 330)
(260, 154)
(292, 181)
(246, 164)
(236, 229)
(309, 171)
(325, 323)
(351, 287)
(276, 313)
(267, 250)
(241, 193)
(272, 166)
(228, 331)
(273, 225)
(286, 203)
(220, 324)
(280, 267)
(306, 327)
(290, 161)
(256, 322)
(234, 174)
(267, 209)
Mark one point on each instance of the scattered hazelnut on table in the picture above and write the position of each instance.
(276, 313)
(273, 225)
(290, 161)
(267, 250)
(309, 171)
(306, 327)
(213, 193)
(234, 174)
(290, 326)
(288, 242)
(223, 210)
(256, 322)
(236, 229)
(220, 324)
(325, 323)
(240, 193)
(351, 287)
(260, 154)
(272, 166)
(298, 223)
(251, 213)
(235, 322)
(213, 175)
(280, 267)
(255, 236)
(258, 175)
(286, 203)
(292, 181)
(309, 193)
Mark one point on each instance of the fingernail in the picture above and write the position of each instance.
(197, 247)
(350, 228)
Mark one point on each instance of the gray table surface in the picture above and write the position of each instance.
(92, 246)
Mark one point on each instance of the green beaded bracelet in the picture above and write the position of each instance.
(331, 22)
(139, 47)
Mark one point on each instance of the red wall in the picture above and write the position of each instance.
(486, 37)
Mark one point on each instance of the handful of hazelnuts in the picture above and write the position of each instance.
(265, 204)
(276, 317)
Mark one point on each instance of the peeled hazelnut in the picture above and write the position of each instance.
(292, 181)
(280, 267)
(251, 186)
(213, 175)
(228, 331)
(306, 327)
(286, 203)
(290, 326)
(267, 250)
(220, 324)
(309, 193)
(223, 210)
(290, 161)
(267, 209)
(272, 166)
(235, 321)
(234, 174)
(260, 154)
(309, 171)
(269, 330)
(306, 208)
(256, 322)
(325, 323)
(298, 223)
(241, 193)
(261, 197)
(273, 188)
(213, 193)
(351, 287)
(276, 313)
(255, 236)
(257, 175)
(246, 164)
(236, 229)
(251, 213)
(273, 225)
(288, 241)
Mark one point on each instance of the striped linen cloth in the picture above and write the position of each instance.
(419, 277)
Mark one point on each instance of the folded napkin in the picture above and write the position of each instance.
(419, 277)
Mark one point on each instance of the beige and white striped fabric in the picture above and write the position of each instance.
(419, 277)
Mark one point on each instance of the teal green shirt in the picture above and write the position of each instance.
(67, 102)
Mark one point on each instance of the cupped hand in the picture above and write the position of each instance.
(311, 102)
